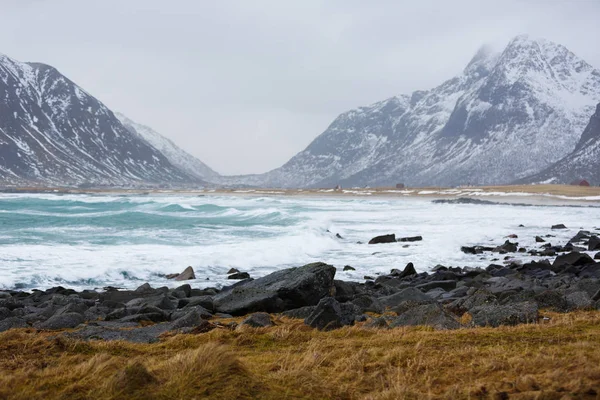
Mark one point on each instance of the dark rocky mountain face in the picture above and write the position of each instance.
(54, 133)
(581, 163)
(507, 116)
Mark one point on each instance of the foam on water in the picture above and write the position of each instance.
(88, 241)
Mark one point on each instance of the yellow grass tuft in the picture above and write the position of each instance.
(556, 360)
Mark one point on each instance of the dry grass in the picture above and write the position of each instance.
(559, 360)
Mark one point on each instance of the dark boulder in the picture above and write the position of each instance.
(161, 301)
(349, 268)
(553, 300)
(299, 313)
(233, 271)
(239, 275)
(63, 321)
(147, 334)
(573, 258)
(580, 236)
(476, 298)
(328, 315)
(190, 319)
(368, 303)
(409, 270)
(579, 300)
(475, 249)
(509, 314)
(12, 323)
(346, 291)
(411, 239)
(507, 247)
(203, 312)
(280, 291)
(594, 243)
(445, 285)
(258, 320)
(559, 226)
(186, 275)
(380, 323)
(391, 238)
(204, 301)
(539, 240)
(428, 315)
(408, 294)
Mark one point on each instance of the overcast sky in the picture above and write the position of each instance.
(245, 85)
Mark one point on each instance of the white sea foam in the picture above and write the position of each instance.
(124, 246)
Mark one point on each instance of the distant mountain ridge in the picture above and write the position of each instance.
(507, 116)
(581, 163)
(52, 132)
(176, 156)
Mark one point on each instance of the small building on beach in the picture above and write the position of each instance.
(580, 182)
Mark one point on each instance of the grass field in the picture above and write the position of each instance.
(556, 360)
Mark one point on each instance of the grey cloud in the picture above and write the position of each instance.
(245, 85)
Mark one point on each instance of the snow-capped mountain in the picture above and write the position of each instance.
(179, 158)
(54, 133)
(582, 163)
(507, 116)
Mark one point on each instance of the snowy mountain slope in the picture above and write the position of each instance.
(582, 163)
(507, 116)
(179, 158)
(54, 133)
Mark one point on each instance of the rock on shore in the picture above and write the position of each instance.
(445, 298)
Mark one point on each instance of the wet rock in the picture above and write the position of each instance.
(573, 258)
(187, 274)
(507, 247)
(258, 320)
(349, 268)
(239, 275)
(581, 235)
(328, 315)
(510, 314)
(427, 314)
(408, 271)
(391, 238)
(475, 249)
(63, 321)
(594, 244)
(559, 226)
(279, 291)
(186, 289)
(411, 239)
(539, 240)
(233, 271)
(597, 256)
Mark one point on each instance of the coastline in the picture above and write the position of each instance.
(510, 194)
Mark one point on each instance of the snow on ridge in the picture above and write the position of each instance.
(509, 113)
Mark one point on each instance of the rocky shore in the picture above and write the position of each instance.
(507, 293)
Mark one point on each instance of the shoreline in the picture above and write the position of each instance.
(535, 194)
